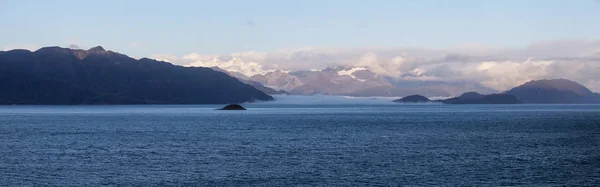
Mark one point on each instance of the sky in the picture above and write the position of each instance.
(261, 35)
(142, 28)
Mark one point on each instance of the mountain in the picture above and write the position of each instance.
(54, 75)
(243, 78)
(343, 80)
(360, 82)
(476, 98)
(336, 81)
(278, 80)
(413, 99)
(554, 91)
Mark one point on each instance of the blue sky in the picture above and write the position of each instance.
(143, 28)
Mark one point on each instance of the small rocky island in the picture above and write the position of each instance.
(413, 99)
(233, 107)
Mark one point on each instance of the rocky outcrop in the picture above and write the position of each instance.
(233, 107)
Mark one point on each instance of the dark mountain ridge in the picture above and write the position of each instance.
(554, 91)
(476, 98)
(536, 91)
(54, 75)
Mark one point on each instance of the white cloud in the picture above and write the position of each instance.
(504, 75)
(165, 57)
(233, 62)
(498, 68)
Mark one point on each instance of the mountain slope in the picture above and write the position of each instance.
(246, 80)
(476, 98)
(554, 91)
(330, 82)
(278, 80)
(54, 75)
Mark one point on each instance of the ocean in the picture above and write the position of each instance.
(300, 145)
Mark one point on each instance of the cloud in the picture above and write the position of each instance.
(456, 58)
(562, 48)
(498, 68)
(442, 71)
(165, 57)
(503, 75)
(74, 46)
(239, 62)
(133, 44)
(30, 47)
(75, 41)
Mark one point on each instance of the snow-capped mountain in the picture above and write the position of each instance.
(349, 71)
(278, 80)
(357, 81)
(342, 80)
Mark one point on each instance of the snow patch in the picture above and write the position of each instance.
(350, 73)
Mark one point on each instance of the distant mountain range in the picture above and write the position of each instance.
(357, 81)
(466, 98)
(362, 82)
(561, 91)
(54, 75)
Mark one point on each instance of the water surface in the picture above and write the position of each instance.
(282, 145)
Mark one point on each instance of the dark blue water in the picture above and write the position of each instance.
(279, 145)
